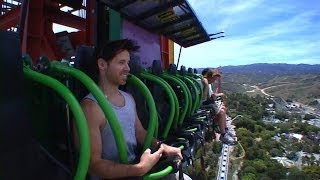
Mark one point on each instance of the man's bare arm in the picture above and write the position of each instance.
(106, 168)
(141, 135)
(140, 131)
(205, 89)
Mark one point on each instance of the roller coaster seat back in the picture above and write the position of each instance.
(157, 67)
(135, 68)
(183, 70)
(84, 58)
(142, 107)
(172, 69)
(25, 154)
(159, 96)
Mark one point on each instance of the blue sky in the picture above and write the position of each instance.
(257, 31)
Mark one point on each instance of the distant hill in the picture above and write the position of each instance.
(264, 68)
(297, 82)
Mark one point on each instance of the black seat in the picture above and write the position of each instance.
(83, 59)
(22, 155)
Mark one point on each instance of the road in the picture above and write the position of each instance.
(263, 91)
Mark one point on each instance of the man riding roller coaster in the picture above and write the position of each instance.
(209, 99)
(110, 70)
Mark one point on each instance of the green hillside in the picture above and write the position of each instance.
(296, 82)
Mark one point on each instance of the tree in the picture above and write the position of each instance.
(243, 132)
(249, 176)
(249, 169)
(258, 128)
(259, 165)
(316, 149)
(307, 147)
(256, 153)
(238, 151)
(270, 127)
(266, 135)
(309, 116)
(312, 159)
(292, 156)
(275, 170)
(289, 100)
(247, 142)
(296, 174)
(284, 127)
(313, 171)
(276, 152)
(306, 160)
(245, 122)
(281, 115)
(216, 147)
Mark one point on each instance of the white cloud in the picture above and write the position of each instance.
(256, 31)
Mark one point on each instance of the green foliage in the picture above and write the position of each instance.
(314, 103)
(247, 123)
(238, 150)
(244, 104)
(276, 152)
(296, 174)
(205, 165)
(255, 152)
(275, 170)
(316, 149)
(309, 116)
(292, 156)
(270, 127)
(313, 171)
(249, 169)
(256, 139)
(216, 147)
(247, 142)
(284, 127)
(243, 132)
(282, 115)
(259, 165)
(266, 135)
(249, 176)
(258, 128)
(295, 146)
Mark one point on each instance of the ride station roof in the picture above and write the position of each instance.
(174, 19)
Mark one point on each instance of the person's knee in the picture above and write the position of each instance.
(221, 113)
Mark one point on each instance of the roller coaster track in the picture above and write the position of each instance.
(224, 159)
(224, 163)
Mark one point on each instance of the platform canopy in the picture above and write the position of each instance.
(174, 19)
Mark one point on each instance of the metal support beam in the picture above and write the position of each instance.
(180, 29)
(66, 19)
(158, 9)
(168, 24)
(90, 23)
(10, 19)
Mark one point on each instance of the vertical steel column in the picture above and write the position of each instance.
(90, 21)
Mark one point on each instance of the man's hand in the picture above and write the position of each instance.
(148, 159)
(217, 94)
(170, 151)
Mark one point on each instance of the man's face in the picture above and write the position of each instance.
(118, 68)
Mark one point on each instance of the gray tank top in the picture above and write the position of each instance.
(126, 116)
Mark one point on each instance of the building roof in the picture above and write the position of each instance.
(174, 19)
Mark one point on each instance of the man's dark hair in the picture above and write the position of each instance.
(112, 48)
(108, 52)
